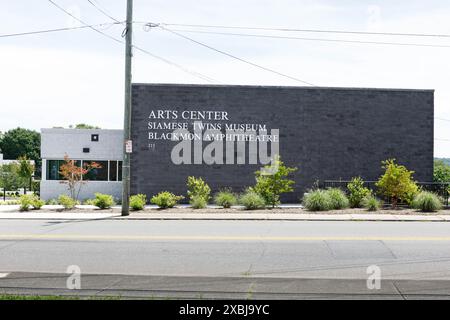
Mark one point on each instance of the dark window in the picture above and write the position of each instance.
(97, 174)
(94, 137)
(120, 171)
(113, 171)
(53, 168)
(86, 150)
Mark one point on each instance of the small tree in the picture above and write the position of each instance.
(397, 183)
(197, 187)
(357, 192)
(9, 177)
(25, 172)
(22, 142)
(73, 175)
(272, 181)
(441, 173)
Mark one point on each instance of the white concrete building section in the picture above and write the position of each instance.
(85, 146)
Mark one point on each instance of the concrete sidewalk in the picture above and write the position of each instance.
(249, 216)
(283, 216)
(55, 216)
(86, 212)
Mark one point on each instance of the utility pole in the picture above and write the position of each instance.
(127, 145)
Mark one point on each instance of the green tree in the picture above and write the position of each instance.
(441, 171)
(397, 183)
(272, 181)
(83, 126)
(21, 142)
(9, 178)
(25, 172)
(73, 175)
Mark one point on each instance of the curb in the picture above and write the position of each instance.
(336, 219)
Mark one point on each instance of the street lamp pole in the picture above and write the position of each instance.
(127, 145)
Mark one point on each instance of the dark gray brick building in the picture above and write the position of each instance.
(328, 133)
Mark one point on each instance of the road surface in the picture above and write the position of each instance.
(313, 257)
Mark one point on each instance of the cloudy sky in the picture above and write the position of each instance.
(62, 78)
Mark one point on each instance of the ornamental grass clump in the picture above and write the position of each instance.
(317, 200)
(198, 202)
(371, 203)
(225, 199)
(427, 202)
(338, 199)
(252, 200)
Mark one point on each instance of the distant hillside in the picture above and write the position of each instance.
(446, 160)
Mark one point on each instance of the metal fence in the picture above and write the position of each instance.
(441, 189)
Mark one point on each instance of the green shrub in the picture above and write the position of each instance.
(89, 202)
(9, 202)
(338, 199)
(371, 203)
(166, 199)
(103, 201)
(67, 202)
(225, 198)
(37, 203)
(272, 181)
(198, 188)
(25, 201)
(427, 202)
(252, 200)
(137, 202)
(317, 200)
(52, 202)
(198, 202)
(357, 192)
(28, 200)
(397, 183)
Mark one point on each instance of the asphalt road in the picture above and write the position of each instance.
(324, 255)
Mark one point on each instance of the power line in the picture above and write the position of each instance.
(84, 23)
(235, 57)
(191, 72)
(313, 39)
(442, 119)
(55, 30)
(196, 74)
(97, 6)
(310, 30)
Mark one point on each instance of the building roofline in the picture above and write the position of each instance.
(78, 131)
(281, 87)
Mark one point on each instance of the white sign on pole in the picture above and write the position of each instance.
(128, 146)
